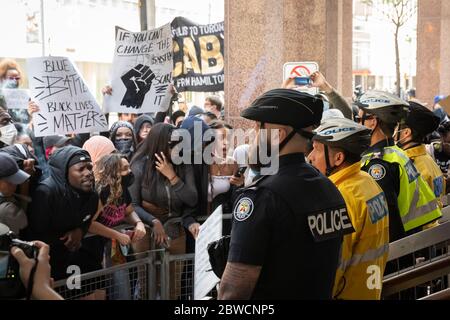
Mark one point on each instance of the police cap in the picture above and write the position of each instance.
(287, 107)
(420, 119)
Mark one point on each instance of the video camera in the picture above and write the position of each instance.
(11, 286)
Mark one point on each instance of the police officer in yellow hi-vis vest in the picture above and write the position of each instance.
(412, 204)
(410, 137)
(338, 145)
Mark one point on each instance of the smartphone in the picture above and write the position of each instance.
(302, 81)
(240, 172)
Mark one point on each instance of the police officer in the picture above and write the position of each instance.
(288, 227)
(338, 145)
(411, 202)
(410, 137)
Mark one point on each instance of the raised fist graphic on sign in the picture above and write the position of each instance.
(138, 82)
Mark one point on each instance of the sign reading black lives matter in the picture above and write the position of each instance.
(198, 56)
(142, 71)
(65, 102)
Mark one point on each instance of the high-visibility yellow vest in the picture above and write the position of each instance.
(416, 201)
(428, 169)
(364, 252)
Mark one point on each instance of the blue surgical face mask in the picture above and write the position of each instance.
(10, 84)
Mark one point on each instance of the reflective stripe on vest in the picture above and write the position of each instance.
(367, 256)
(416, 201)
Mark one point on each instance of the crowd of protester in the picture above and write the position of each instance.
(72, 192)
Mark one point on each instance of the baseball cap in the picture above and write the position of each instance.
(9, 170)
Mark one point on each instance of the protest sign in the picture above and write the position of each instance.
(204, 278)
(198, 56)
(65, 102)
(142, 71)
(16, 98)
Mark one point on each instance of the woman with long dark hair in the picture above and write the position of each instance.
(162, 191)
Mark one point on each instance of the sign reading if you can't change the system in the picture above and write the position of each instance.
(301, 69)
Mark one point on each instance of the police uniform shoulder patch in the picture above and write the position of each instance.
(243, 209)
(377, 171)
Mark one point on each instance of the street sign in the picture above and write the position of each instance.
(301, 69)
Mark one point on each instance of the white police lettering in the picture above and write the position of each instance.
(338, 130)
(377, 208)
(377, 171)
(243, 209)
(329, 224)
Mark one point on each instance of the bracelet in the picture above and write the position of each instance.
(172, 178)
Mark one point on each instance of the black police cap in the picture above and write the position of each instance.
(287, 107)
(421, 119)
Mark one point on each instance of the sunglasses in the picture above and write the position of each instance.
(14, 78)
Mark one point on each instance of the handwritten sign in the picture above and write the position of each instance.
(204, 278)
(16, 98)
(142, 71)
(65, 102)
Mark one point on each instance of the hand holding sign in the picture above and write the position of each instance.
(138, 82)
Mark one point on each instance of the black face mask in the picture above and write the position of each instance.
(124, 145)
(127, 180)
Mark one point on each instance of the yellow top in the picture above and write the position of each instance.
(364, 253)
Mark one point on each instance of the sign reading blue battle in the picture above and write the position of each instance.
(65, 102)
(198, 56)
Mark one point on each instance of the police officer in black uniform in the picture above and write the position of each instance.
(287, 227)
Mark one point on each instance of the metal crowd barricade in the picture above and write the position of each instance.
(135, 280)
(148, 277)
(421, 264)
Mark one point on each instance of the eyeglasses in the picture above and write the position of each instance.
(359, 119)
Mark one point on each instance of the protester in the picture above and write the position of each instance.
(98, 146)
(142, 127)
(222, 179)
(24, 137)
(11, 212)
(62, 208)
(53, 143)
(113, 177)
(214, 105)
(177, 118)
(162, 191)
(10, 78)
(8, 131)
(123, 137)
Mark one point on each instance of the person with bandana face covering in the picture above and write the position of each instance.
(10, 78)
(123, 137)
(8, 131)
